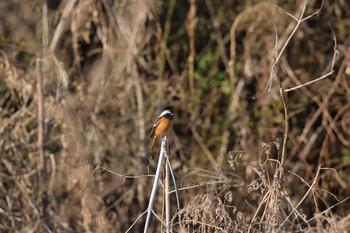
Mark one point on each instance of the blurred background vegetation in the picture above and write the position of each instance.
(110, 66)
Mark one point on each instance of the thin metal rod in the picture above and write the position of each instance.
(174, 182)
(167, 199)
(155, 184)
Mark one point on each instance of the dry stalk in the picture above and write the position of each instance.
(205, 213)
(302, 200)
(191, 26)
(285, 66)
(41, 122)
(281, 91)
(62, 26)
(41, 141)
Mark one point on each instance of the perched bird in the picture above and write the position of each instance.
(162, 125)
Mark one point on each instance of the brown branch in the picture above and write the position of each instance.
(281, 90)
(41, 148)
(325, 101)
(140, 119)
(62, 26)
(191, 26)
(331, 71)
(41, 121)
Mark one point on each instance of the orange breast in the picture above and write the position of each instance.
(163, 126)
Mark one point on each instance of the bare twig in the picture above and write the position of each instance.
(335, 55)
(300, 20)
(304, 197)
(263, 200)
(325, 101)
(327, 210)
(121, 175)
(273, 70)
(135, 221)
(310, 82)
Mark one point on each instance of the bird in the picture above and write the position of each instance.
(162, 125)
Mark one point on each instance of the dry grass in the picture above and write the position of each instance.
(269, 82)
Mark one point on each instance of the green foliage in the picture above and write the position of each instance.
(345, 155)
(205, 62)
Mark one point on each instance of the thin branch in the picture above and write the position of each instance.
(335, 55)
(327, 210)
(121, 175)
(281, 91)
(301, 201)
(311, 82)
(264, 199)
(135, 221)
(293, 32)
(286, 12)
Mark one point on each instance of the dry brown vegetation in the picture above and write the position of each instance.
(251, 154)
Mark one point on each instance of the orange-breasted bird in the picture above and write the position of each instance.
(161, 126)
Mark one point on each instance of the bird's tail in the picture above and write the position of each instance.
(154, 142)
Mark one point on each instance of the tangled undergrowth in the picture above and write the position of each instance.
(259, 91)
